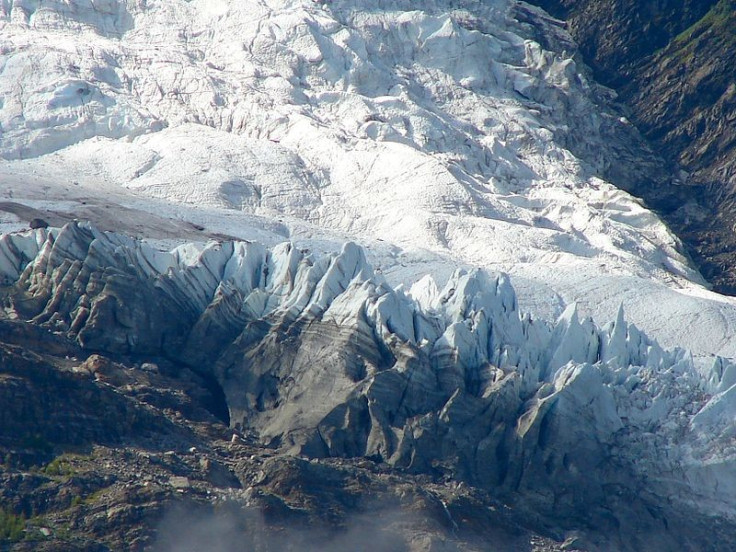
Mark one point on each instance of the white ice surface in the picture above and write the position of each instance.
(433, 135)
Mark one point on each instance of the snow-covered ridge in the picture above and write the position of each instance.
(463, 344)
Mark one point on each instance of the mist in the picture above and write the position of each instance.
(230, 527)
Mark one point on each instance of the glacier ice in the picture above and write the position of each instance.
(446, 134)
(450, 131)
(322, 355)
(449, 127)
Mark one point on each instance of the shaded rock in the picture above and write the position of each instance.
(37, 223)
(669, 62)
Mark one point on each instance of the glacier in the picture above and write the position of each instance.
(374, 176)
(320, 356)
(441, 136)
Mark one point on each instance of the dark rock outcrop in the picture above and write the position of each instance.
(38, 223)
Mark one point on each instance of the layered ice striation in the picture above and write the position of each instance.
(318, 355)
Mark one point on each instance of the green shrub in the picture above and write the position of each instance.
(59, 466)
(12, 526)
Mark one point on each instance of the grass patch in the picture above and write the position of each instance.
(720, 18)
(60, 467)
(92, 499)
(12, 526)
(66, 465)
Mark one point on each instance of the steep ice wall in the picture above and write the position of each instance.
(320, 356)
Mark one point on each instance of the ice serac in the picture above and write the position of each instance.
(598, 430)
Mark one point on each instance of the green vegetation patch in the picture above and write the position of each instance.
(720, 18)
(12, 526)
(59, 466)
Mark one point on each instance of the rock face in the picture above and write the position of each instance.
(103, 455)
(318, 356)
(634, 30)
(669, 61)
